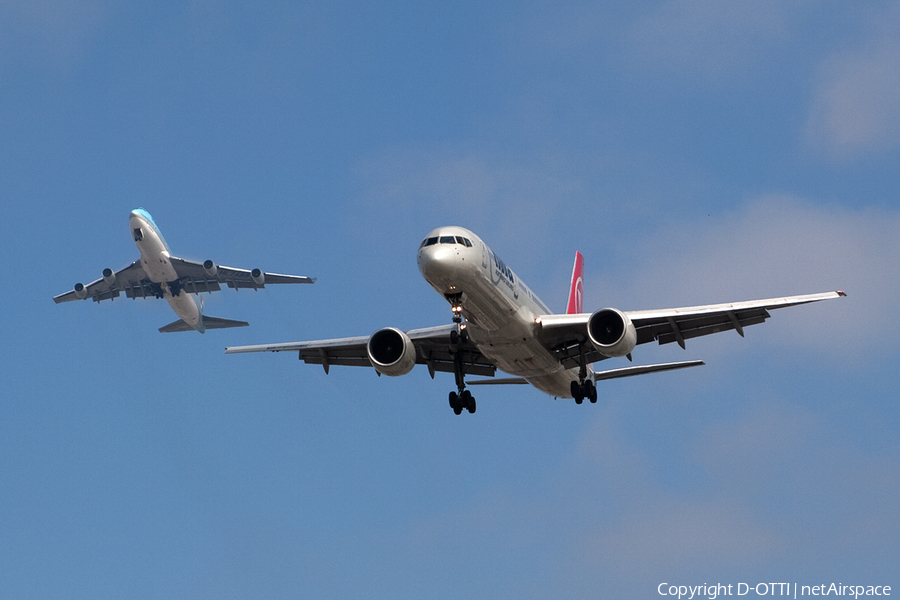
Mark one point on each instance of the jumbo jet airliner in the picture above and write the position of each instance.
(500, 324)
(159, 274)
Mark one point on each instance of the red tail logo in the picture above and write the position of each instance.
(576, 290)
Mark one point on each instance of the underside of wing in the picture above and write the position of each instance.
(435, 349)
(567, 335)
(432, 347)
(132, 281)
(680, 324)
(196, 277)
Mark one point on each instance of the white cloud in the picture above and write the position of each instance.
(856, 101)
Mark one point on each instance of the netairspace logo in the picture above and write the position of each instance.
(770, 589)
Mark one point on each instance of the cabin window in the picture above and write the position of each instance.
(138, 234)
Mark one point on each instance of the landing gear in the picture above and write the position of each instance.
(584, 387)
(582, 390)
(462, 401)
(460, 334)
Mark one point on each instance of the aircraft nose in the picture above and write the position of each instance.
(136, 216)
(438, 264)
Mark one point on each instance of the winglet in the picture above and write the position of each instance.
(576, 287)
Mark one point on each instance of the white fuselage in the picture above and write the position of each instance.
(155, 257)
(499, 309)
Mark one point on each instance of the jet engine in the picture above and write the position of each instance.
(109, 276)
(611, 332)
(211, 269)
(391, 352)
(258, 277)
(81, 291)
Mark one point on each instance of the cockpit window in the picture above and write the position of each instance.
(447, 239)
(138, 234)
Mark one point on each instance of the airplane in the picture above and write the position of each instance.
(498, 323)
(159, 274)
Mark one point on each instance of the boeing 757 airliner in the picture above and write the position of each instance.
(159, 274)
(499, 323)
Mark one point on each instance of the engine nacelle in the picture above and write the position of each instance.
(611, 332)
(211, 269)
(109, 276)
(391, 352)
(258, 277)
(80, 291)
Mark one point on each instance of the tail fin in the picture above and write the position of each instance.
(576, 289)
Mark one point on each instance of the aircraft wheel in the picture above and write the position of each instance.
(455, 404)
(577, 392)
(467, 401)
(464, 336)
(590, 391)
(454, 337)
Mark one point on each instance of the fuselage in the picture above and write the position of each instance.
(155, 260)
(500, 310)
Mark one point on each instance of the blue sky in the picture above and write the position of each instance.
(694, 152)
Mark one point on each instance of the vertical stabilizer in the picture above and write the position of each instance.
(576, 288)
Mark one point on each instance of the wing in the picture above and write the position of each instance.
(566, 334)
(132, 280)
(195, 277)
(433, 349)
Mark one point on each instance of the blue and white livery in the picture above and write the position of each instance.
(159, 274)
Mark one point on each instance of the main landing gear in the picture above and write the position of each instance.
(582, 390)
(461, 399)
(584, 387)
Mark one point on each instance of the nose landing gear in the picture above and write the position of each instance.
(460, 334)
(462, 399)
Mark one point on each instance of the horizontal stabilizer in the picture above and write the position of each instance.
(217, 323)
(208, 323)
(500, 381)
(178, 325)
(629, 371)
